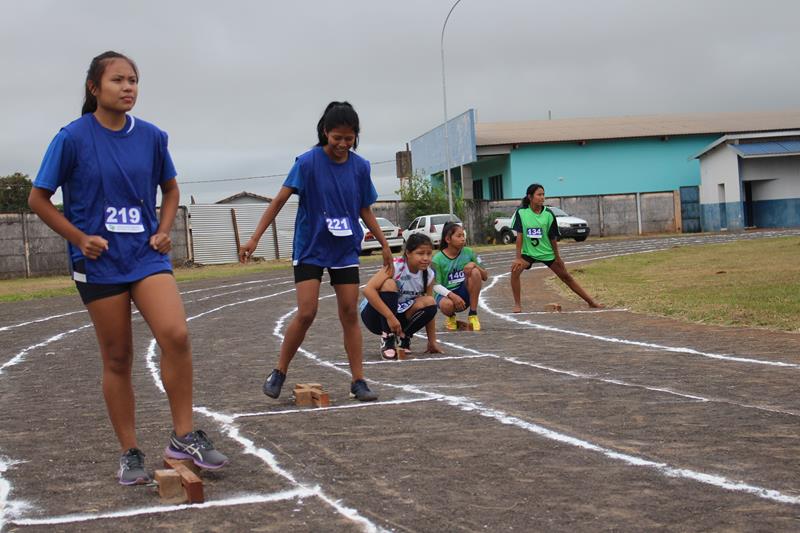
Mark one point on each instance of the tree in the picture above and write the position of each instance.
(14, 191)
(422, 198)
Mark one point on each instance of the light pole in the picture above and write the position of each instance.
(444, 99)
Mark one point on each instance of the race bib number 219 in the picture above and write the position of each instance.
(124, 219)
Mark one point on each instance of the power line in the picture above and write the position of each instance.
(268, 176)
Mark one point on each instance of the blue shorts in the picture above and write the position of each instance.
(461, 290)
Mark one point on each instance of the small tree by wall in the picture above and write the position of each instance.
(423, 198)
(14, 191)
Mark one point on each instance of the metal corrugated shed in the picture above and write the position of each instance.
(214, 240)
(584, 129)
(767, 148)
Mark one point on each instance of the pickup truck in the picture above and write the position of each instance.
(568, 226)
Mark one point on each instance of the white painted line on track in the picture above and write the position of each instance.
(468, 405)
(318, 410)
(246, 499)
(7, 511)
(229, 427)
(674, 349)
(421, 359)
(20, 356)
(40, 320)
(581, 375)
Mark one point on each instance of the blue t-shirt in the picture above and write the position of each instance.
(331, 198)
(109, 181)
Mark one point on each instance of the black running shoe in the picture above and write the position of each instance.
(273, 384)
(131, 468)
(197, 447)
(361, 392)
(405, 343)
(388, 350)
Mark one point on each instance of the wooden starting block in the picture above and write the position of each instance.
(553, 308)
(179, 482)
(402, 355)
(463, 326)
(308, 394)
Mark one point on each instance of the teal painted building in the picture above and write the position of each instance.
(594, 156)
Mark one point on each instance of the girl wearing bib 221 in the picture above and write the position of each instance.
(109, 165)
(335, 189)
(537, 233)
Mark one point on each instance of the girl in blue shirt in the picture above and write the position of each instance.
(109, 165)
(335, 189)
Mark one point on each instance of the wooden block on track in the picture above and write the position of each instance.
(302, 397)
(320, 398)
(191, 482)
(553, 308)
(170, 487)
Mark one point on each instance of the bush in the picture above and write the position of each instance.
(422, 198)
(14, 191)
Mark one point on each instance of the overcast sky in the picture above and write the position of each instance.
(239, 85)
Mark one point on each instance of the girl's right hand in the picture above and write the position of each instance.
(247, 251)
(92, 246)
(395, 326)
(518, 265)
(458, 301)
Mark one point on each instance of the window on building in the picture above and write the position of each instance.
(477, 189)
(496, 187)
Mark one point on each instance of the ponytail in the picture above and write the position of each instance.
(95, 74)
(335, 115)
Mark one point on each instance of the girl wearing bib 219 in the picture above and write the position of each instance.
(109, 165)
(335, 189)
(537, 233)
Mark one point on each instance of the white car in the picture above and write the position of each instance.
(393, 234)
(568, 226)
(430, 225)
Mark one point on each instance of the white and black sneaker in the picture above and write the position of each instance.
(388, 349)
(131, 468)
(196, 446)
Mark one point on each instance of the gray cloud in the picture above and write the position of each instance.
(240, 85)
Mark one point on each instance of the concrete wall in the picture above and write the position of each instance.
(720, 190)
(29, 248)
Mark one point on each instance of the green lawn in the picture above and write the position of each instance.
(744, 283)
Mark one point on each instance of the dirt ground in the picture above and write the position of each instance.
(573, 421)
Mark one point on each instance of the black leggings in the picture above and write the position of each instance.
(377, 323)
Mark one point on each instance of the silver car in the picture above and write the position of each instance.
(430, 225)
(393, 234)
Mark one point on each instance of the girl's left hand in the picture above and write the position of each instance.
(433, 347)
(388, 260)
(161, 242)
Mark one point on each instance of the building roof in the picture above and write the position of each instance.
(244, 194)
(585, 129)
(781, 147)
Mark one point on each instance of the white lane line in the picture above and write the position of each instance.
(229, 427)
(422, 359)
(675, 349)
(39, 320)
(246, 499)
(581, 375)
(20, 356)
(7, 511)
(468, 405)
(318, 410)
(556, 313)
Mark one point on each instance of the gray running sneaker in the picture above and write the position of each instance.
(195, 446)
(131, 468)
(272, 386)
(361, 392)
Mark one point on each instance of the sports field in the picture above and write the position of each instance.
(575, 421)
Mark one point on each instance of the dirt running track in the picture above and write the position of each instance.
(572, 421)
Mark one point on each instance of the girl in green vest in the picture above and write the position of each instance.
(537, 234)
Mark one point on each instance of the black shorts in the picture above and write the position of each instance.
(373, 319)
(532, 260)
(89, 292)
(339, 276)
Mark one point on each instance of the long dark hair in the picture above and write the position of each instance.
(532, 188)
(95, 74)
(415, 241)
(335, 115)
(447, 232)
